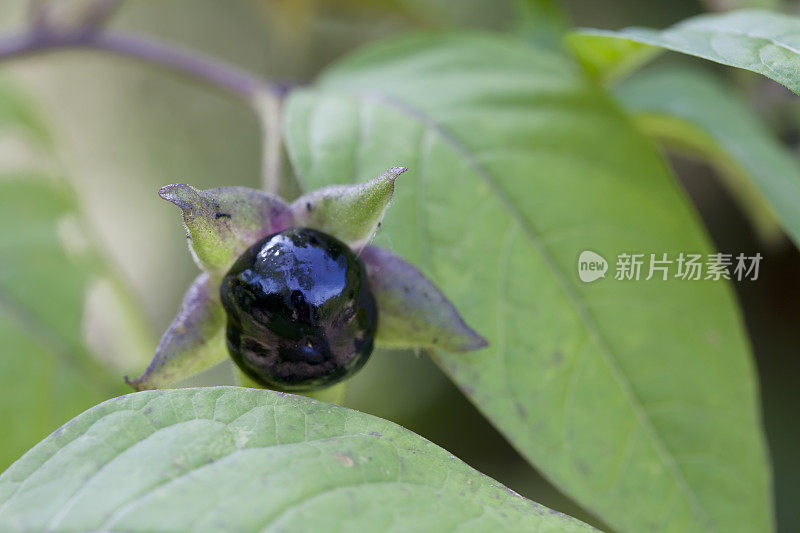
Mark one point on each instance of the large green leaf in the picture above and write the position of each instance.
(752, 39)
(638, 399)
(692, 110)
(46, 373)
(235, 459)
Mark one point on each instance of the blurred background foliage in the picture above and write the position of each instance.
(121, 130)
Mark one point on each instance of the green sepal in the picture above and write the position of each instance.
(222, 223)
(351, 213)
(193, 342)
(412, 312)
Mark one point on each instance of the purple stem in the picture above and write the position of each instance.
(234, 80)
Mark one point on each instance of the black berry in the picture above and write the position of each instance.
(301, 315)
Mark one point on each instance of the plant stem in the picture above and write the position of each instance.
(263, 96)
(241, 83)
(268, 108)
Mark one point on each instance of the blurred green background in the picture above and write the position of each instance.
(123, 130)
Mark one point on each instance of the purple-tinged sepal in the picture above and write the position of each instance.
(193, 342)
(412, 312)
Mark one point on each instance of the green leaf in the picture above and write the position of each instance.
(235, 459)
(17, 114)
(760, 41)
(692, 110)
(609, 59)
(638, 399)
(222, 223)
(351, 213)
(194, 341)
(541, 22)
(46, 373)
(413, 312)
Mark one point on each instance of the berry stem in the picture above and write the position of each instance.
(336, 394)
(243, 380)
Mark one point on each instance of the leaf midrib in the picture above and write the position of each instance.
(573, 297)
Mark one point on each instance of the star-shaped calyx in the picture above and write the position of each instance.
(223, 224)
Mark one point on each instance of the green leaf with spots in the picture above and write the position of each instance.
(761, 41)
(236, 459)
(638, 399)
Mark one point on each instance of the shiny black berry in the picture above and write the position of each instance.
(301, 315)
